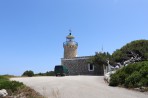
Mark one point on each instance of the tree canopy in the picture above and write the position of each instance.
(139, 47)
(28, 73)
(100, 58)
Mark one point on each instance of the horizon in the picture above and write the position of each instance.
(32, 32)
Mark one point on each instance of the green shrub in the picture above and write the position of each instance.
(143, 82)
(121, 77)
(131, 76)
(17, 89)
(10, 85)
(133, 67)
(5, 83)
(28, 73)
(48, 73)
(144, 70)
(133, 80)
(3, 78)
(113, 80)
(118, 78)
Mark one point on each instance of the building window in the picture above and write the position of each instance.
(90, 67)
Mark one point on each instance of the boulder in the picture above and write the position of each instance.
(107, 76)
(3, 93)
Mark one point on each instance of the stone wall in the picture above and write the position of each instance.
(79, 66)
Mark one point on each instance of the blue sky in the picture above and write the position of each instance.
(32, 31)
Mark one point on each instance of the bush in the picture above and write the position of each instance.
(48, 73)
(143, 82)
(118, 78)
(133, 80)
(9, 85)
(28, 73)
(131, 76)
(113, 80)
(17, 89)
(3, 78)
(144, 70)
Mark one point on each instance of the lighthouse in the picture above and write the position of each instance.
(70, 47)
(77, 65)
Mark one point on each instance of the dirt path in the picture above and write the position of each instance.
(77, 87)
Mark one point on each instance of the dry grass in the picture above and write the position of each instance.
(24, 92)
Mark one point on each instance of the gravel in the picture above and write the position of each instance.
(77, 87)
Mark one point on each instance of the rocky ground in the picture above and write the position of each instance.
(25, 92)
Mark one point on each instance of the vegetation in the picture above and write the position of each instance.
(48, 73)
(17, 89)
(9, 85)
(131, 76)
(99, 60)
(28, 73)
(136, 74)
(139, 47)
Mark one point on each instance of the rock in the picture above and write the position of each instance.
(107, 76)
(141, 89)
(3, 93)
